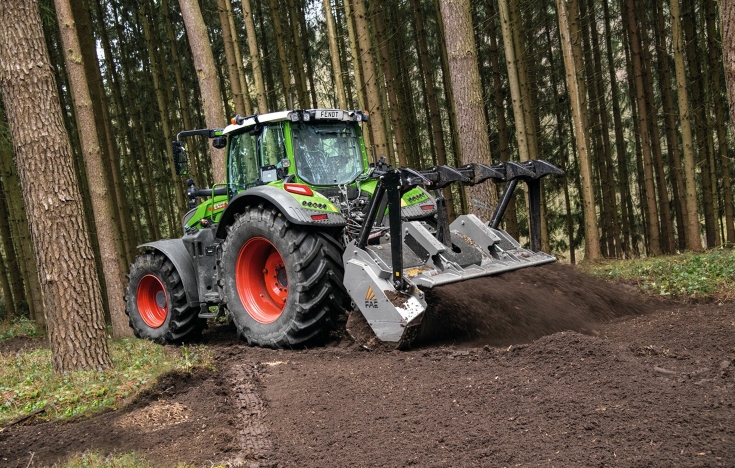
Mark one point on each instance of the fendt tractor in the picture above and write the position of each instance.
(308, 225)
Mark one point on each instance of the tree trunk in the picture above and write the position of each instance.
(254, 57)
(474, 146)
(650, 202)
(201, 53)
(18, 222)
(283, 61)
(349, 17)
(99, 190)
(436, 135)
(693, 238)
(667, 230)
(334, 54)
(672, 141)
(380, 142)
(391, 85)
(699, 120)
(297, 56)
(715, 58)
(510, 218)
(568, 12)
(511, 62)
(622, 159)
(229, 46)
(70, 287)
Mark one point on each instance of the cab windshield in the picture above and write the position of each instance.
(327, 154)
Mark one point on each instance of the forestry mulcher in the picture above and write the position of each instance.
(307, 225)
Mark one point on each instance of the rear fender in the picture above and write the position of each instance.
(175, 251)
(285, 203)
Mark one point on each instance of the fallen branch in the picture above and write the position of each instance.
(24, 417)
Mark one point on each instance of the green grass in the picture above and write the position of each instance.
(18, 327)
(126, 460)
(28, 382)
(709, 275)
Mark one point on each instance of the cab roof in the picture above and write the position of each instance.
(309, 115)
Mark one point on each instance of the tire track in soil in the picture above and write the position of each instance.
(252, 434)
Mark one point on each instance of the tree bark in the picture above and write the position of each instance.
(473, 143)
(98, 185)
(229, 46)
(434, 115)
(715, 59)
(70, 287)
(672, 140)
(283, 61)
(568, 12)
(260, 95)
(650, 202)
(201, 52)
(334, 54)
(380, 142)
(699, 120)
(693, 238)
(511, 62)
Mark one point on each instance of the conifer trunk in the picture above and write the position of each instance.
(693, 238)
(201, 52)
(98, 185)
(70, 286)
(474, 146)
(650, 201)
(568, 12)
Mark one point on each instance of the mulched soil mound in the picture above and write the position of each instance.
(652, 384)
(523, 305)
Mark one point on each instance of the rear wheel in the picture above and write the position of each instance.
(282, 282)
(156, 302)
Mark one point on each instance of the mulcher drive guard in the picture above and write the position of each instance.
(307, 225)
(386, 279)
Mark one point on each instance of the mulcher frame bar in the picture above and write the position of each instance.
(392, 183)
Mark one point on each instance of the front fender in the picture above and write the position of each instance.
(175, 251)
(284, 202)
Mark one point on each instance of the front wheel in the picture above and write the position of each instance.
(282, 282)
(156, 302)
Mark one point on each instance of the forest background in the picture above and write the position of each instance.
(629, 98)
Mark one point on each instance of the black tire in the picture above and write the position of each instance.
(312, 261)
(178, 321)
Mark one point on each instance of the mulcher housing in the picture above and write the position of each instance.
(308, 225)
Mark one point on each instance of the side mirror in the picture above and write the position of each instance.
(181, 164)
(219, 142)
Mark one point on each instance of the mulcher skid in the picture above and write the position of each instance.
(393, 261)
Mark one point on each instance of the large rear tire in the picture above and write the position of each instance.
(282, 282)
(156, 302)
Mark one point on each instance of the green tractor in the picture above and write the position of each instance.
(308, 226)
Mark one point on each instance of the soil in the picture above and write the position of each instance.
(538, 367)
(21, 343)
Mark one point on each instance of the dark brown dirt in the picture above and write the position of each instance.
(20, 343)
(656, 388)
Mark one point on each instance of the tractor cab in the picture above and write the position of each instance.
(316, 147)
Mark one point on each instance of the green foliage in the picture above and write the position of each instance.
(18, 327)
(28, 382)
(688, 276)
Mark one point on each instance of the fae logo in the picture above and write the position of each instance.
(371, 302)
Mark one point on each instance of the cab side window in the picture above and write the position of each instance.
(272, 145)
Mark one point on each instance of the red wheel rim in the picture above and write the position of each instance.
(152, 301)
(261, 280)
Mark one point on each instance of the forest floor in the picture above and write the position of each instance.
(560, 369)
